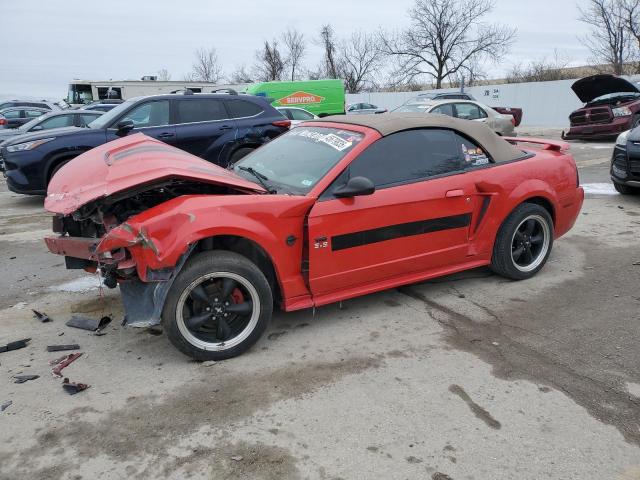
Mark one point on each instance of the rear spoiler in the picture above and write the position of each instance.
(554, 145)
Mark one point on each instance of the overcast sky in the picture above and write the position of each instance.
(47, 43)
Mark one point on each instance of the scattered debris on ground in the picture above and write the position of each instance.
(91, 324)
(24, 378)
(5, 405)
(43, 317)
(61, 348)
(72, 388)
(237, 458)
(18, 344)
(63, 362)
(208, 363)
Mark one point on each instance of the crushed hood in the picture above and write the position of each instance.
(589, 88)
(130, 162)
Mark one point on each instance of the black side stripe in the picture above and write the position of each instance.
(365, 237)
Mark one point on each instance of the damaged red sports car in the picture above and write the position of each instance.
(331, 210)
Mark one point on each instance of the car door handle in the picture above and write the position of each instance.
(226, 127)
(166, 135)
(454, 193)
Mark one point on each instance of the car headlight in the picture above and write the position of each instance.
(622, 138)
(621, 112)
(20, 147)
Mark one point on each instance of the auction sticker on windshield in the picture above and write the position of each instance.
(340, 140)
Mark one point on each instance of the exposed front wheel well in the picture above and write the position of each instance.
(248, 249)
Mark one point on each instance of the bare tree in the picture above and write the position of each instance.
(206, 67)
(358, 58)
(631, 20)
(542, 70)
(240, 75)
(608, 40)
(330, 67)
(444, 37)
(164, 75)
(270, 64)
(295, 51)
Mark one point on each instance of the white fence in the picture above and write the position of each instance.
(545, 104)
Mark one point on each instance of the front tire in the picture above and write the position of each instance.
(218, 307)
(523, 243)
(625, 189)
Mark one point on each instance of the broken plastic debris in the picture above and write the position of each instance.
(43, 317)
(61, 348)
(18, 344)
(86, 323)
(63, 362)
(5, 405)
(72, 388)
(237, 458)
(24, 378)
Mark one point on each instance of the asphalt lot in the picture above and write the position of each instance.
(465, 377)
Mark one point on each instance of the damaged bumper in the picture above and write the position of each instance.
(598, 131)
(143, 301)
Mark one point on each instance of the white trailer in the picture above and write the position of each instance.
(82, 92)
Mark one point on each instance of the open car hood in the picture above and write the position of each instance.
(595, 86)
(129, 162)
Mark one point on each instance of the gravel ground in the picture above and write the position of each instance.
(466, 377)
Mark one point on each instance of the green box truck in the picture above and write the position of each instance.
(322, 97)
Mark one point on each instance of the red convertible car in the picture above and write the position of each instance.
(331, 210)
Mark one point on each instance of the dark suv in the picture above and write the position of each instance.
(220, 128)
(625, 163)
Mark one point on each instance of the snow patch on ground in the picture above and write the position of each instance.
(599, 189)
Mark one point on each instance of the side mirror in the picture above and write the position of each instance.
(37, 128)
(124, 127)
(356, 186)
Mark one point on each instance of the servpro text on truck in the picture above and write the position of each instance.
(322, 97)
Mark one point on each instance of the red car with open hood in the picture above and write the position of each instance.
(331, 210)
(612, 106)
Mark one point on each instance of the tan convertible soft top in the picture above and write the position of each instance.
(387, 123)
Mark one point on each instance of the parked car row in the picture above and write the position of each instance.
(220, 128)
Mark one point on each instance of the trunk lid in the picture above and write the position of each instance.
(589, 88)
(128, 163)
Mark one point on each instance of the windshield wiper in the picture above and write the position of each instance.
(261, 178)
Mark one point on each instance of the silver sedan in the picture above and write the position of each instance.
(467, 110)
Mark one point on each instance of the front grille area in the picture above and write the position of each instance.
(634, 167)
(590, 116)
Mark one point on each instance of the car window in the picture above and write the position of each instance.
(242, 108)
(57, 122)
(446, 109)
(407, 156)
(300, 115)
(286, 112)
(469, 111)
(33, 113)
(12, 114)
(86, 119)
(201, 110)
(472, 154)
(149, 114)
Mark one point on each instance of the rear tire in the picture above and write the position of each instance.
(207, 320)
(239, 154)
(626, 189)
(523, 243)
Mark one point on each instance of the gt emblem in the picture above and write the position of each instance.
(321, 242)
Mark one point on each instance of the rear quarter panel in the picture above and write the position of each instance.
(548, 176)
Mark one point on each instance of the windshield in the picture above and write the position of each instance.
(105, 120)
(412, 108)
(297, 160)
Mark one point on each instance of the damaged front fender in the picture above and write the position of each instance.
(143, 301)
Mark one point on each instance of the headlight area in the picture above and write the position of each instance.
(621, 112)
(20, 147)
(621, 141)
